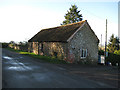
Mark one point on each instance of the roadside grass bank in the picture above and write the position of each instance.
(45, 58)
(54, 60)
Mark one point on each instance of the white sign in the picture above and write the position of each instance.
(102, 59)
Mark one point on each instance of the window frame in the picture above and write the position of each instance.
(83, 53)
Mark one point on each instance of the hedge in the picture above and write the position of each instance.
(113, 58)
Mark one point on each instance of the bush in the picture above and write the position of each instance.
(100, 52)
(4, 45)
(117, 52)
(113, 58)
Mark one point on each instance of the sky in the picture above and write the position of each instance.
(20, 20)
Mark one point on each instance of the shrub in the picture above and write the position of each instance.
(4, 45)
(117, 52)
(113, 58)
(101, 52)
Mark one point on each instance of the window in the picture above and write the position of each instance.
(83, 53)
(41, 46)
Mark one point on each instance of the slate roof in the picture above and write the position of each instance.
(56, 34)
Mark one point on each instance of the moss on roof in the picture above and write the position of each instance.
(56, 34)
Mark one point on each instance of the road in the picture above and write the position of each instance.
(21, 71)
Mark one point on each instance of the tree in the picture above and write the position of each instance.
(113, 44)
(117, 52)
(72, 15)
(11, 44)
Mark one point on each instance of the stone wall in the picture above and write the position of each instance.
(84, 39)
(35, 47)
(53, 49)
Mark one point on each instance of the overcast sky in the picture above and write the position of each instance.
(22, 19)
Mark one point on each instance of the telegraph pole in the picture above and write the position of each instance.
(101, 40)
(105, 39)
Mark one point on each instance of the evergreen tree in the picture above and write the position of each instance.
(72, 15)
(113, 43)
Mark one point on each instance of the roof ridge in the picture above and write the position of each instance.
(64, 25)
(73, 23)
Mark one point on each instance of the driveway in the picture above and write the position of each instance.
(21, 71)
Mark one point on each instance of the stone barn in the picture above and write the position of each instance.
(74, 43)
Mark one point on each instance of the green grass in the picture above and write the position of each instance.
(45, 58)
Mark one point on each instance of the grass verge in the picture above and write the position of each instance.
(45, 58)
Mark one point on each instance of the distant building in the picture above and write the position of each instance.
(73, 43)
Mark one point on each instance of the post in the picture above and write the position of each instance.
(105, 40)
(101, 40)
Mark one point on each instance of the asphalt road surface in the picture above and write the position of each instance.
(21, 71)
